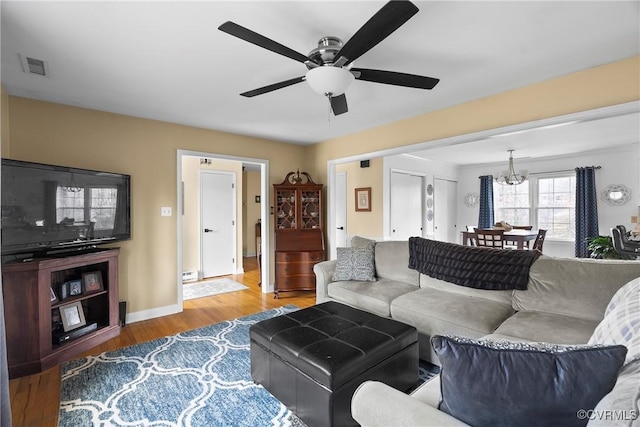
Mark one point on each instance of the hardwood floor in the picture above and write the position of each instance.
(35, 399)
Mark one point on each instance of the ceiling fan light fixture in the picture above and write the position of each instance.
(329, 80)
(510, 177)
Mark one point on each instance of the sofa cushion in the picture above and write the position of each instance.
(433, 312)
(506, 383)
(355, 264)
(623, 402)
(373, 297)
(576, 287)
(621, 325)
(432, 282)
(392, 262)
(548, 327)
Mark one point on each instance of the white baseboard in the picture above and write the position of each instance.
(152, 313)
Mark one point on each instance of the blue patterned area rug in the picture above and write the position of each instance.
(195, 378)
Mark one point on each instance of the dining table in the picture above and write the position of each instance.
(519, 237)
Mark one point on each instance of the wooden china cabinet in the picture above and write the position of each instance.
(298, 232)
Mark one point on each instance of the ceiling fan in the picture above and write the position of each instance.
(329, 66)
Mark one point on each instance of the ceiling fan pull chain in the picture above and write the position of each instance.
(329, 111)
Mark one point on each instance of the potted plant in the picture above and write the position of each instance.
(602, 247)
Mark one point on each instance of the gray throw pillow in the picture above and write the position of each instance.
(361, 242)
(355, 264)
(506, 383)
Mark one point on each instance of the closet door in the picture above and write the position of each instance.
(407, 205)
(445, 210)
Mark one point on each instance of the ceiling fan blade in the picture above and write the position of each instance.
(394, 78)
(386, 21)
(339, 104)
(271, 88)
(260, 40)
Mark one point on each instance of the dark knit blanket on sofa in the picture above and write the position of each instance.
(471, 266)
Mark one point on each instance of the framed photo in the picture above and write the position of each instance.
(52, 295)
(363, 199)
(63, 292)
(92, 281)
(75, 287)
(72, 316)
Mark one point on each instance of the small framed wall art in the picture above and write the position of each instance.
(363, 199)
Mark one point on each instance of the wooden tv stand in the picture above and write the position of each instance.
(35, 338)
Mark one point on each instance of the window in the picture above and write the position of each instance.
(78, 204)
(546, 202)
(511, 203)
(556, 203)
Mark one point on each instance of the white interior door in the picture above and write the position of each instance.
(341, 209)
(445, 210)
(217, 223)
(406, 193)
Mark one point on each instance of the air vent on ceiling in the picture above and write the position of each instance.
(35, 66)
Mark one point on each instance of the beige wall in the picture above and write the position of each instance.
(191, 169)
(147, 150)
(364, 223)
(4, 120)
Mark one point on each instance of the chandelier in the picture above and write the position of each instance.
(510, 177)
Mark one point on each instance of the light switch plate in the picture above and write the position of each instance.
(165, 211)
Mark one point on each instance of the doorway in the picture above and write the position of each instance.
(186, 206)
(217, 223)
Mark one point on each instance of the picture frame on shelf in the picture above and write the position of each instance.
(52, 295)
(92, 281)
(63, 291)
(75, 287)
(72, 316)
(363, 199)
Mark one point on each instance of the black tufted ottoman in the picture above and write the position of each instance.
(313, 359)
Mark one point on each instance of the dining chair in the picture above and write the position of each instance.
(539, 242)
(490, 238)
(632, 251)
(472, 239)
(624, 234)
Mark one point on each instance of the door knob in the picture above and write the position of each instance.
(208, 230)
(340, 228)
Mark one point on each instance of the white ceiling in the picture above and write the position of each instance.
(168, 61)
(566, 137)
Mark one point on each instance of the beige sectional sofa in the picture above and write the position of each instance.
(564, 301)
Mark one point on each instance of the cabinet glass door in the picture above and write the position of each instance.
(286, 208)
(310, 202)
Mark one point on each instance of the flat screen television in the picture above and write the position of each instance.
(50, 209)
